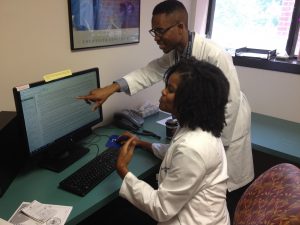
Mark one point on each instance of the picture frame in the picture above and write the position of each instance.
(101, 23)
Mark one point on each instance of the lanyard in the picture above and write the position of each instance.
(188, 51)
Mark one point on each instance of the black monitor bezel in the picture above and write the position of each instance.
(69, 138)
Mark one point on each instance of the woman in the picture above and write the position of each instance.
(193, 174)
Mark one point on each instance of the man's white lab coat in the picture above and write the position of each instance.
(236, 135)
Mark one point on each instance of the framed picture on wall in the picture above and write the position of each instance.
(100, 23)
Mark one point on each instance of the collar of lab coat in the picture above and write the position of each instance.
(179, 133)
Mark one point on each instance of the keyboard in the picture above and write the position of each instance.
(88, 176)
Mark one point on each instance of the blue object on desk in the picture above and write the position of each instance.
(113, 142)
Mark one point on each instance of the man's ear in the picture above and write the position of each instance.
(181, 27)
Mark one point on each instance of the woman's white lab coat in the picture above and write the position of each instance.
(236, 136)
(192, 182)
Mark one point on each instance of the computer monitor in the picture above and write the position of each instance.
(54, 121)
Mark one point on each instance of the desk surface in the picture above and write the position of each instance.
(275, 136)
(34, 183)
(270, 135)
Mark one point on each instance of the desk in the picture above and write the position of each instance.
(274, 141)
(276, 137)
(269, 135)
(35, 183)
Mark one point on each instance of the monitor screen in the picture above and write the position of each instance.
(54, 121)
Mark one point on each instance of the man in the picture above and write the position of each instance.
(170, 31)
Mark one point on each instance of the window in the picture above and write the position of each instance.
(260, 24)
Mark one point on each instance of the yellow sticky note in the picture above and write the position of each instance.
(57, 75)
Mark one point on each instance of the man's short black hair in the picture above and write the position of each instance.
(171, 6)
(202, 95)
(168, 6)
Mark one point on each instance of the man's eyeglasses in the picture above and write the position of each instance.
(159, 32)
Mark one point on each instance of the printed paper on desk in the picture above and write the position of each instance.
(20, 218)
(60, 218)
(38, 211)
(163, 121)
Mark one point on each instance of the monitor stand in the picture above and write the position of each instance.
(62, 159)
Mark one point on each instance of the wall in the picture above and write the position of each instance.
(201, 7)
(35, 41)
(272, 93)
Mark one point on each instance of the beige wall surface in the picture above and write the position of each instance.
(35, 41)
(272, 93)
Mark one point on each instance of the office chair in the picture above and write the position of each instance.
(272, 199)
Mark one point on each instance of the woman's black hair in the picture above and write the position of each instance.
(202, 95)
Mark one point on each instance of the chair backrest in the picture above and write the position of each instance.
(273, 198)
